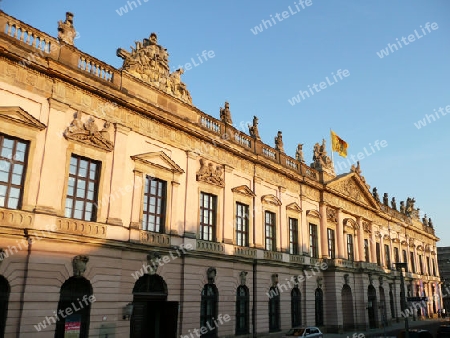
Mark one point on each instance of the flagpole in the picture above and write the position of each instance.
(331, 144)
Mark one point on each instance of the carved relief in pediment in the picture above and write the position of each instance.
(207, 173)
(271, 199)
(88, 133)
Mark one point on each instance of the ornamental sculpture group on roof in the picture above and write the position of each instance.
(149, 62)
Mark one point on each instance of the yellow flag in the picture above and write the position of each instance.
(338, 144)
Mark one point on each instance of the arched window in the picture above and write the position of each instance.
(274, 310)
(296, 313)
(208, 310)
(74, 308)
(319, 306)
(242, 313)
(4, 297)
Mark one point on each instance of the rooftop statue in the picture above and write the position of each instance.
(225, 114)
(66, 31)
(253, 130)
(299, 153)
(320, 158)
(279, 142)
(149, 62)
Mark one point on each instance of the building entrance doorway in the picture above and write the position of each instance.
(153, 316)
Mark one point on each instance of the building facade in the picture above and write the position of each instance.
(443, 256)
(127, 211)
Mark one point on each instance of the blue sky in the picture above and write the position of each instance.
(380, 99)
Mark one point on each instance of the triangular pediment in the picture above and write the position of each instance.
(294, 207)
(243, 190)
(353, 187)
(21, 117)
(158, 159)
(271, 199)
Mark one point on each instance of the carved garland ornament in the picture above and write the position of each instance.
(209, 174)
(88, 133)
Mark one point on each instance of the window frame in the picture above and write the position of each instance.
(272, 226)
(274, 310)
(293, 236)
(244, 232)
(331, 240)
(350, 248)
(148, 197)
(387, 256)
(313, 241)
(11, 159)
(76, 178)
(366, 250)
(212, 225)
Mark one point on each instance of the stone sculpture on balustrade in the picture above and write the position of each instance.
(149, 62)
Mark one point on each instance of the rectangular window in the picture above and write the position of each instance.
(270, 231)
(396, 255)
(242, 224)
(208, 208)
(350, 256)
(434, 266)
(378, 252)
(405, 259)
(420, 265)
(82, 190)
(331, 244)
(13, 155)
(154, 211)
(293, 236)
(313, 241)
(413, 263)
(387, 256)
(366, 250)
(428, 266)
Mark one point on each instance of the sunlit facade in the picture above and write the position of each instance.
(126, 210)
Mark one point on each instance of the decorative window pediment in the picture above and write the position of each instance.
(19, 116)
(350, 222)
(313, 213)
(243, 190)
(294, 207)
(271, 199)
(158, 160)
(386, 237)
(88, 133)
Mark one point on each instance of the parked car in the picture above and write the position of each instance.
(416, 333)
(306, 331)
(443, 331)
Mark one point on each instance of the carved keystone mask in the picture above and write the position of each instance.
(79, 265)
(211, 273)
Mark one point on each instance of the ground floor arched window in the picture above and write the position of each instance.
(274, 310)
(209, 309)
(74, 308)
(319, 306)
(296, 313)
(4, 298)
(242, 310)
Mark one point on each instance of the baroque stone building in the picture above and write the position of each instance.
(127, 211)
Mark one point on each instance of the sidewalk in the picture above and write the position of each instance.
(379, 332)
